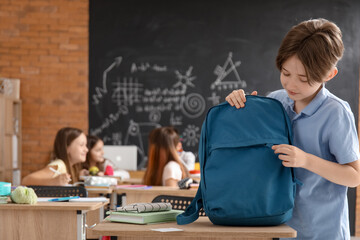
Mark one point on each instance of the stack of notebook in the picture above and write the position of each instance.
(144, 213)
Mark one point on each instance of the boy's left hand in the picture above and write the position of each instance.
(291, 156)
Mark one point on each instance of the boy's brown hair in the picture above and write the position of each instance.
(317, 43)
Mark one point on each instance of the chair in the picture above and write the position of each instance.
(59, 191)
(177, 202)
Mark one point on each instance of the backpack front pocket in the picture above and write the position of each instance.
(249, 182)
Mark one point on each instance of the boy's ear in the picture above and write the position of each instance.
(332, 74)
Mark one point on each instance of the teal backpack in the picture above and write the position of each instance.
(243, 182)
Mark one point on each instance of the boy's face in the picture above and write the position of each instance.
(294, 81)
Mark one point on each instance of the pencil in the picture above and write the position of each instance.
(55, 171)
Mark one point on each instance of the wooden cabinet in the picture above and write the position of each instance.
(10, 140)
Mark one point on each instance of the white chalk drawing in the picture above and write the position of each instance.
(143, 67)
(126, 93)
(116, 138)
(191, 135)
(175, 120)
(193, 105)
(109, 120)
(155, 116)
(101, 91)
(174, 105)
(214, 99)
(184, 80)
(222, 72)
(134, 131)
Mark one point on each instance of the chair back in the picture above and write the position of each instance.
(177, 202)
(59, 191)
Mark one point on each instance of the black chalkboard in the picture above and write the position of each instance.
(156, 63)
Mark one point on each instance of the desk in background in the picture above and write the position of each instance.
(200, 229)
(46, 220)
(93, 217)
(138, 195)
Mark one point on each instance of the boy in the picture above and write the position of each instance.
(325, 149)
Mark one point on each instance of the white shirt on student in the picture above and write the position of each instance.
(171, 170)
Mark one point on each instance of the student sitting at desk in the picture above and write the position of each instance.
(69, 150)
(95, 158)
(164, 165)
(187, 158)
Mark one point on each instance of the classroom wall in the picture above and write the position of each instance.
(44, 43)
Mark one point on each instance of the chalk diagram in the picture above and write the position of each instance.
(223, 71)
(132, 96)
(100, 91)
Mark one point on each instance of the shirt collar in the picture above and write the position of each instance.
(314, 104)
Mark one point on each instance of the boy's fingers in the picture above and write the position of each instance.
(230, 101)
(254, 93)
(235, 100)
(239, 97)
(241, 94)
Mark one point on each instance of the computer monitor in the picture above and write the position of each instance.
(122, 157)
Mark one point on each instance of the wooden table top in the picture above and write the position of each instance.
(160, 190)
(200, 228)
(61, 206)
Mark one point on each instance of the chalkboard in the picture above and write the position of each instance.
(156, 63)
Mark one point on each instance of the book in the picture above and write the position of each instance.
(145, 207)
(143, 218)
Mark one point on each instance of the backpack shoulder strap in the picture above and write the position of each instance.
(192, 211)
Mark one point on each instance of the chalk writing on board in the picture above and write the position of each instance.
(100, 91)
(143, 105)
(145, 66)
(228, 67)
(134, 136)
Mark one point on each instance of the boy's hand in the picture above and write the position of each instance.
(237, 98)
(291, 156)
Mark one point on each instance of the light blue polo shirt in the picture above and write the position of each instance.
(325, 128)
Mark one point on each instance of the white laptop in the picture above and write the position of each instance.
(123, 157)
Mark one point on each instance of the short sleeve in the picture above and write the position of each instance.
(343, 139)
(171, 170)
(61, 167)
(188, 159)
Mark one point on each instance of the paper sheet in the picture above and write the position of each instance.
(167, 229)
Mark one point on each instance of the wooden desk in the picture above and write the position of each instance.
(131, 181)
(147, 195)
(45, 220)
(99, 192)
(200, 229)
(92, 217)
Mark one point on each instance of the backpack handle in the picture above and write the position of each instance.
(192, 211)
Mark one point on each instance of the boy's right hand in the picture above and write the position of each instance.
(237, 98)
